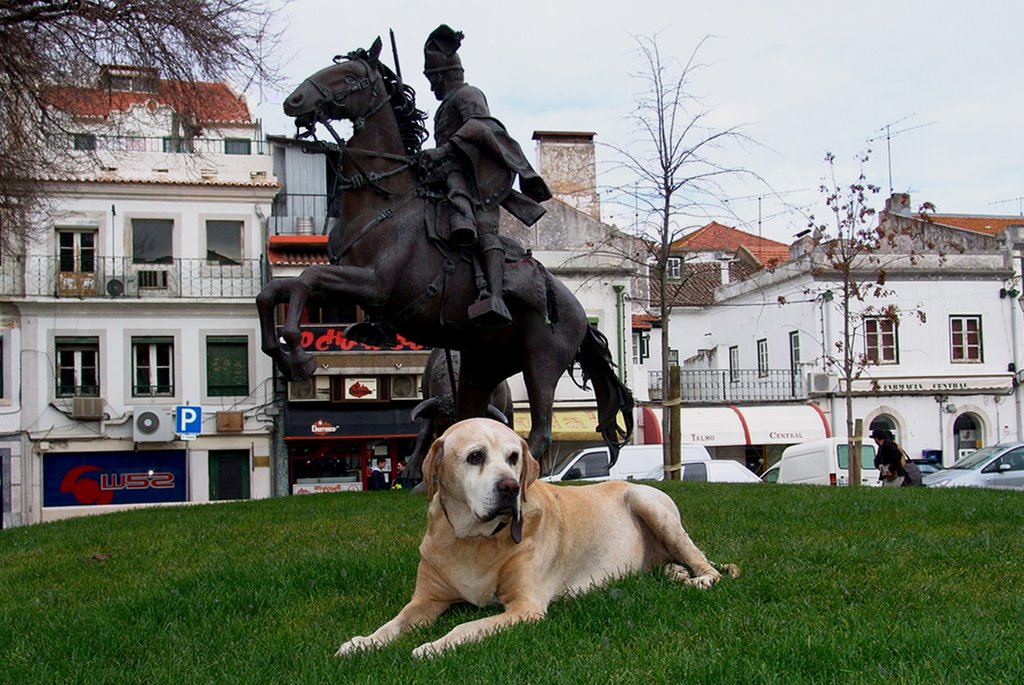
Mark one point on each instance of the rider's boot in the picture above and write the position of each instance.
(490, 311)
(463, 221)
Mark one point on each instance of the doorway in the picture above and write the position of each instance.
(229, 474)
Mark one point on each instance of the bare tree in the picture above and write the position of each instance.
(855, 251)
(675, 161)
(51, 43)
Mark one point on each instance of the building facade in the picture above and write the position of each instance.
(136, 296)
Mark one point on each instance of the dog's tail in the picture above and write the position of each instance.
(613, 397)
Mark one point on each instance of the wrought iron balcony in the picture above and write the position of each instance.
(42, 276)
(734, 387)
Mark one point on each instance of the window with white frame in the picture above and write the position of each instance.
(881, 340)
(152, 367)
(762, 358)
(965, 339)
(76, 251)
(734, 364)
(77, 366)
(641, 346)
(674, 268)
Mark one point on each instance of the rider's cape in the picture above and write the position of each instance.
(494, 157)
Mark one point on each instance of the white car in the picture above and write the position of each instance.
(998, 466)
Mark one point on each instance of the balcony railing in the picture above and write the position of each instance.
(40, 276)
(171, 144)
(732, 387)
(299, 214)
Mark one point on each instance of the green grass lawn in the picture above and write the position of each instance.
(838, 585)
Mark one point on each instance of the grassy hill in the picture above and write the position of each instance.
(838, 585)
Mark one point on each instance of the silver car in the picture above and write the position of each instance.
(998, 466)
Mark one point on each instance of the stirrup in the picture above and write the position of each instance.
(489, 312)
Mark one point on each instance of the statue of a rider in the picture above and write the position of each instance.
(476, 161)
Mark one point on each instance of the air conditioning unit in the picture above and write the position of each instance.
(88, 408)
(820, 383)
(153, 424)
(406, 387)
(313, 389)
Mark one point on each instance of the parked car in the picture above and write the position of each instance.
(771, 475)
(927, 466)
(644, 462)
(825, 462)
(998, 466)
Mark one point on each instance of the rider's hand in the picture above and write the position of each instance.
(434, 156)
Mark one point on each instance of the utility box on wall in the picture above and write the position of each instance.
(230, 422)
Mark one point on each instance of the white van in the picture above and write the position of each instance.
(636, 462)
(826, 462)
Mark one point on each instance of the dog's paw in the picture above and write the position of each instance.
(677, 572)
(354, 645)
(703, 582)
(427, 650)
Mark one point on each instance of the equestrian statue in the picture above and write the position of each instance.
(416, 244)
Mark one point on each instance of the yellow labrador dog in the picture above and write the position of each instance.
(496, 534)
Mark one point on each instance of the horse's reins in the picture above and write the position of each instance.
(363, 177)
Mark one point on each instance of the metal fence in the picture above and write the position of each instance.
(172, 144)
(41, 276)
(300, 214)
(730, 387)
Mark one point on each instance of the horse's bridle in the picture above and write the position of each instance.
(363, 178)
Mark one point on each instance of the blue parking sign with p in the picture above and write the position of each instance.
(188, 420)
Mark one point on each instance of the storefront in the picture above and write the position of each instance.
(99, 479)
(332, 448)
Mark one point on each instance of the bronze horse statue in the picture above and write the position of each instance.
(385, 257)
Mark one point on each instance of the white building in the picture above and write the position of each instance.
(137, 296)
(942, 376)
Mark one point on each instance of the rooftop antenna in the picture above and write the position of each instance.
(1011, 199)
(889, 133)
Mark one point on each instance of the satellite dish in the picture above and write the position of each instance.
(115, 288)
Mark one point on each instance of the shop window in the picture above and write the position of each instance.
(152, 367)
(965, 339)
(224, 242)
(881, 340)
(77, 366)
(227, 366)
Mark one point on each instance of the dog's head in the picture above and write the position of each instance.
(481, 471)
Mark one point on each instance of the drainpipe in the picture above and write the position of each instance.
(826, 350)
(619, 328)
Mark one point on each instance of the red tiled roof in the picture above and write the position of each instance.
(979, 224)
(297, 250)
(211, 102)
(642, 322)
(718, 237)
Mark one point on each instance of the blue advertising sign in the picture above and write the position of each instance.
(74, 479)
(188, 419)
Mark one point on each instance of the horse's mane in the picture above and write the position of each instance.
(410, 120)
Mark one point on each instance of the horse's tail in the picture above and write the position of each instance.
(613, 397)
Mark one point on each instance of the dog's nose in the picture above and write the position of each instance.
(508, 487)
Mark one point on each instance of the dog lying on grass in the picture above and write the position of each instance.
(496, 534)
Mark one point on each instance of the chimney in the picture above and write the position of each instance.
(567, 162)
(898, 204)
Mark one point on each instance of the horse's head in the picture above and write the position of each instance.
(345, 90)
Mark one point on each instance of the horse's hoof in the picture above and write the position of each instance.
(297, 367)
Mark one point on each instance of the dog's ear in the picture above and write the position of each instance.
(529, 468)
(432, 466)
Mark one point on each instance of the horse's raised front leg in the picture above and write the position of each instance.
(325, 283)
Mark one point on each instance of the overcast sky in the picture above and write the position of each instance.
(801, 78)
